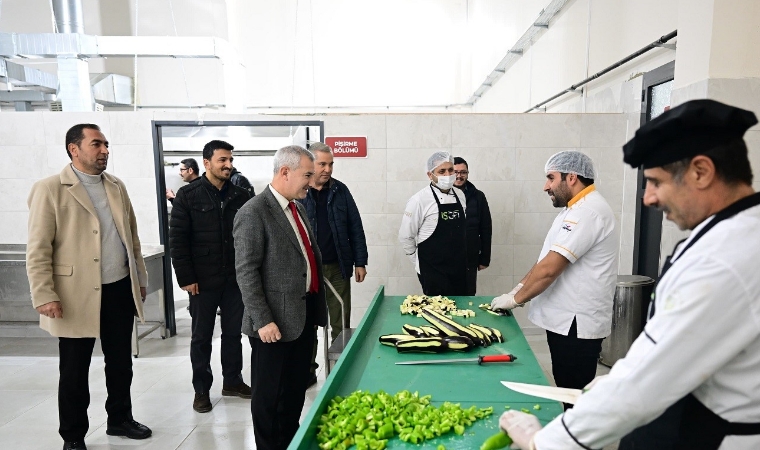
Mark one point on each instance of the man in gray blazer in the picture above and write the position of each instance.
(279, 271)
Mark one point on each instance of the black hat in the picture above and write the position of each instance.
(686, 130)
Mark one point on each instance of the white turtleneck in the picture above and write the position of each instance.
(114, 264)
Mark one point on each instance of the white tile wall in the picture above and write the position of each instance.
(530, 162)
(372, 168)
(417, 130)
(531, 228)
(22, 129)
(13, 226)
(129, 160)
(484, 130)
(28, 161)
(603, 130)
(506, 154)
(371, 126)
(56, 124)
(371, 196)
(488, 163)
(409, 164)
(56, 158)
(500, 195)
(550, 130)
(503, 228)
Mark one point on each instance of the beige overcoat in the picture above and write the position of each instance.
(63, 251)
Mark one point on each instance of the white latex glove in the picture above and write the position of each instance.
(516, 289)
(520, 427)
(506, 301)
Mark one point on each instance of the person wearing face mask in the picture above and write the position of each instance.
(573, 283)
(433, 230)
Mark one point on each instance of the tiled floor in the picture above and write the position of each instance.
(162, 395)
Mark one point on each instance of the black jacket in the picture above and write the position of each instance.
(478, 227)
(200, 233)
(345, 224)
(238, 179)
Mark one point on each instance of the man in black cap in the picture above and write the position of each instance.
(690, 380)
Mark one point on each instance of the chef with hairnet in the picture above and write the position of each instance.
(690, 380)
(433, 230)
(572, 285)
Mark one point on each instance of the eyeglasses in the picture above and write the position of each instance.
(461, 172)
(184, 170)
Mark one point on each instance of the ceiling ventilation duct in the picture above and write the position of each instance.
(75, 92)
(111, 89)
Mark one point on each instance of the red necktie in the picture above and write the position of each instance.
(314, 286)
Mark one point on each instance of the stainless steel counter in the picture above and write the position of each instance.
(15, 298)
(16, 301)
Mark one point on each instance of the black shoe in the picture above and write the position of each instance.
(131, 429)
(202, 403)
(242, 390)
(312, 381)
(74, 445)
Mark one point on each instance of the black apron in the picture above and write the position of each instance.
(688, 424)
(443, 256)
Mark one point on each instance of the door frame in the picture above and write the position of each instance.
(648, 225)
(163, 222)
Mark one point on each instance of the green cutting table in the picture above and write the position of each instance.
(367, 365)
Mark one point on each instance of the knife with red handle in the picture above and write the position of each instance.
(480, 360)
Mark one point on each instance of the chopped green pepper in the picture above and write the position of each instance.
(368, 420)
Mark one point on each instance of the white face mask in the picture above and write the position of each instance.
(446, 182)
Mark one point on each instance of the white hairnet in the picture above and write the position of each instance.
(571, 162)
(437, 159)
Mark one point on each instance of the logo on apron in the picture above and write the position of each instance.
(450, 215)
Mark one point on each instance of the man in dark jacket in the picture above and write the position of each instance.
(188, 171)
(335, 219)
(203, 255)
(478, 225)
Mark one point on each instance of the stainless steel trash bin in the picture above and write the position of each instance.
(631, 298)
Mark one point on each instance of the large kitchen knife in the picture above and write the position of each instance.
(564, 395)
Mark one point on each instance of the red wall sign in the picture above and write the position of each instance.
(348, 147)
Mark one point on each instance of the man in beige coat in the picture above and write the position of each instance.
(87, 278)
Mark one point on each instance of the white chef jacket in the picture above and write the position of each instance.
(421, 218)
(585, 233)
(703, 339)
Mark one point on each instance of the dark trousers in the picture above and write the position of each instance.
(472, 280)
(573, 359)
(203, 311)
(117, 312)
(279, 373)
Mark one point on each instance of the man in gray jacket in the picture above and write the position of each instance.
(279, 272)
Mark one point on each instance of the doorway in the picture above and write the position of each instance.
(655, 100)
(255, 145)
